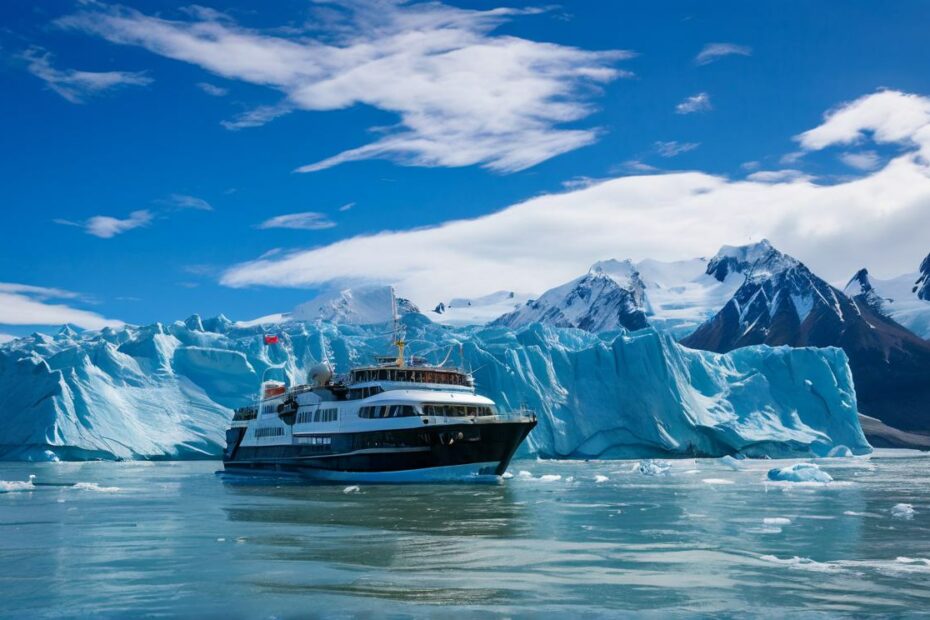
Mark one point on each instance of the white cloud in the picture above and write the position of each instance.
(183, 201)
(716, 51)
(258, 116)
(879, 220)
(863, 160)
(779, 176)
(23, 304)
(347, 206)
(673, 148)
(695, 103)
(105, 227)
(77, 86)
(212, 89)
(888, 117)
(464, 95)
(308, 220)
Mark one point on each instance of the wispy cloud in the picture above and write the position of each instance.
(666, 216)
(673, 148)
(106, 227)
(24, 304)
(716, 51)
(778, 176)
(695, 103)
(256, 117)
(464, 95)
(78, 86)
(347, 206)
(212, 89)
(308, 220)
(183, 201)
(863, 160)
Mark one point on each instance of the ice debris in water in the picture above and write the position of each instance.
(506, 475)
(524, 474)
(351, 489)
(599, 478)
(549, 478)
(903, 511)
(8, 486)
(776, 521)
(650, 467)
(730, 462)
(800, 472)
(93, 486)
(716, 481)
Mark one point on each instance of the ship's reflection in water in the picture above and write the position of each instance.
(377, 541)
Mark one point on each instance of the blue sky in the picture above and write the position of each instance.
(128, 191)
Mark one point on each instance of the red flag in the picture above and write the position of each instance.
(271, 339)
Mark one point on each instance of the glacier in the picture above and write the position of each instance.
(166, 391)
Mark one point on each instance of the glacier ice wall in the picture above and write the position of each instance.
(167, 391)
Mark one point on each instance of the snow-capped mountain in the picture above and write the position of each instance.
(610, 296)
(358, 305)
(168, 390)
(477, 310)
(781, 302)
(675, 297)
(897, 298)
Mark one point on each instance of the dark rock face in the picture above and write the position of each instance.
(792, 306)
(922, 286)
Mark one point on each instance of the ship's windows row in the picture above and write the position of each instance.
(359, 393)
(319, 415)
(411, 376)
(269, 409)
(269, 431)
(387, 411)
(389, 439)
(314, 441)
(456, 411)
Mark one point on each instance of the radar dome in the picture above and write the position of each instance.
(321, 374)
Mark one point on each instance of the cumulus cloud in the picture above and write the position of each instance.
(78, 86)
(673, 148)
(716, 51)
(308, 220)
(106, 227)
(463, 94)
(879, 220)
(695, 103)
(888, 117)
(23, 304)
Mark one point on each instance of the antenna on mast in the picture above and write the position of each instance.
(398, 337)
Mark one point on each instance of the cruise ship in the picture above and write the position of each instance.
(396, 420)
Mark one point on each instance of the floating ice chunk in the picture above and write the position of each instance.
(776, 521)
(524, 474)
(549, 478)
(506, 475)
(10, 486)
(731, 462)
(903, 511)
(803, 563)
(839, 452)
(599, 478)
(800, 472)
(351, 489)
(716, 481)
(570, 479)
(650, 467)
(93, 486)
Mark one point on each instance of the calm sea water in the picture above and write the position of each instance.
(583, 538)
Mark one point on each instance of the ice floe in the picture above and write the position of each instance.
(93, 486)
(903, 511)
(800, 472)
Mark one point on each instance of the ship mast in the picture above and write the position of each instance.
(398, 337)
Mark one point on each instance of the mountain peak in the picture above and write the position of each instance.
(859, 283)
(759, 259)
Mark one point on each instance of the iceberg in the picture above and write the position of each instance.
(168, 390)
